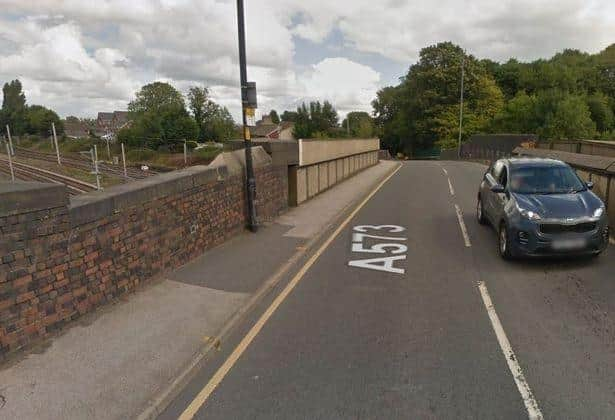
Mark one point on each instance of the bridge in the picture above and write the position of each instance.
(370, 291)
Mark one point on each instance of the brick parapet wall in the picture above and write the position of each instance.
(59, 263)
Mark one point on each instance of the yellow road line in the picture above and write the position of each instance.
(215, 380)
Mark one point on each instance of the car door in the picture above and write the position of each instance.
(488, 196)
(500, 199)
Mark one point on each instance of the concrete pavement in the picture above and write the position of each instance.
(410, 336)
(117, 362)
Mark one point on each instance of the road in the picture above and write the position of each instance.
(417, 341)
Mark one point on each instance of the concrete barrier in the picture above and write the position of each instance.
(598, 169)
(324, 163)
(585, 147)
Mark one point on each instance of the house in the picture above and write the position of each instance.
(76, 129)
(265, 128)
(109, 123)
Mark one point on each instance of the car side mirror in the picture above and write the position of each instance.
(590, 185)
(497, 188)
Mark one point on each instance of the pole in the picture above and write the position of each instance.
(108, 151)
(95, 162)
(55, 142)
(10, 143)
(243, 72)
(8, 152)
(124, 161)
(461, 105)
(185, 153)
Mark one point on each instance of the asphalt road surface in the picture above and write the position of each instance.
(413, 334)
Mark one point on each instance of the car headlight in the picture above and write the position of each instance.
(599, 212)
(528, 214)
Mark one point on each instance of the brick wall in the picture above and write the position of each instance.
(62, 260)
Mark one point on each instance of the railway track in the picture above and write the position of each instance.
(83, 163)
(30, 173)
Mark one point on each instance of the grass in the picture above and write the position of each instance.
(162, 161)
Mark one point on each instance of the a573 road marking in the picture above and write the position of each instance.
(392, 247)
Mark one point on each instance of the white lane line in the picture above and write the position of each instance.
(445, 171)
(462, 225)
(612, 241)
(450, 187)
(198, 401)
(531, 405)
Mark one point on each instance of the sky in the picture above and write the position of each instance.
(80, 57)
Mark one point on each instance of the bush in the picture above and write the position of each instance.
(140, 155)
(206, 154)
(76, 145)
(192, 145)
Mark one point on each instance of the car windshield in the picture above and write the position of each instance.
(545, 180)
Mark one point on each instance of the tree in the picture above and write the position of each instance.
(360, 124)
(218, 124)
(155, 97)
(13, 107)
(289, 116)
(159, 118)
(422, 111)
(39, 120)
(601, 111)
(319, 120)
(273, 114)
(571, 120)
(199, 102)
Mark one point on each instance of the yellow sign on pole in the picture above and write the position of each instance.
(247, 133)
(250, 120)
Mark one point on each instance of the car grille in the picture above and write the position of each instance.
(554, 228)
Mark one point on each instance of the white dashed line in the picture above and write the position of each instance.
(531, 405)
(462, 225)
(445, 171)
(450, 187)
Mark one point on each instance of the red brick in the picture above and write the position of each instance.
(22, 281)
(24, 297)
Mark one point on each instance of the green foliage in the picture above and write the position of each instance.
(159, 119)
(601, 111)
(140, 155)
(360, 124)
(317, 121)
(214, 122)
(571, 120)
(290, 116)
(191, 145)
(206, 153)
(218, 124)
(569, 96)
(39, 120)
(424, 109)
(14, 108)
(155, 97)
(274, 116)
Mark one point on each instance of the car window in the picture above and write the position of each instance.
(545, 180)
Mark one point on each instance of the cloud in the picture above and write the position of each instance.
(83, 56)
(348, 85)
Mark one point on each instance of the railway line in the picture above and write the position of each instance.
(30, 173)
(79, 162)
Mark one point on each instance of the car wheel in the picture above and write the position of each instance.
(504, 242)
(480, 212)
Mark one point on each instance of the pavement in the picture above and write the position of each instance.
(131, 358)
(406, 310)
